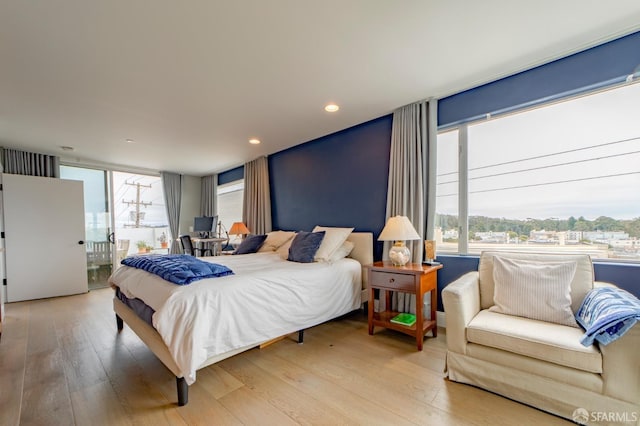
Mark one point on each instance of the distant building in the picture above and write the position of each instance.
(543, 237)
(492, 237)
(450, 234)
(573, 237)
(604, 237)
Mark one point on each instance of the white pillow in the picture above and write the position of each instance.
(536, 290)
(275, 240)
(341, 252)
(283, 250)
(333, 239)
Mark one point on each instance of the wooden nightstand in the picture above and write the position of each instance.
(412, 278)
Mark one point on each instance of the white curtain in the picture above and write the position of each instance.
(412, 176)
(30, 163)
(208, 195)
(256, 211)
(172, 186)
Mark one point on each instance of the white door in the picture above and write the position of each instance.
(44, 237)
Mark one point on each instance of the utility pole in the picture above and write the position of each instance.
(137, 201)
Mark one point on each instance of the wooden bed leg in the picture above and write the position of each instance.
(183, 391)
(119, 323)
(300, 337)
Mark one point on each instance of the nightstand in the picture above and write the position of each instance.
(411, 278)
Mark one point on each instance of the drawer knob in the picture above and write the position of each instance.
(391, 280)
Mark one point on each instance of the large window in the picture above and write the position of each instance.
(563, 177)
(447, 225)
(230, 196)
(140, 214)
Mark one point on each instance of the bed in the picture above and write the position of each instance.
(199, 324)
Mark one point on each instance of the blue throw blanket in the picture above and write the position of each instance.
(179, 269)
(606, 314)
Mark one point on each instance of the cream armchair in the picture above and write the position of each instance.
(535, 362)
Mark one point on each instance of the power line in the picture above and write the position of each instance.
(546, 167)
(543, 184)
(548, 155)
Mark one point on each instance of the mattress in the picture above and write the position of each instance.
(141, 309)
(267, 297)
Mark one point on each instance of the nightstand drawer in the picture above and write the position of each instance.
(393, 281)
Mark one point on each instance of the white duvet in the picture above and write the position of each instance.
(266, 298)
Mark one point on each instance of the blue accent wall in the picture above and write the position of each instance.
(598, 66)
(337, 180)
(231, 175)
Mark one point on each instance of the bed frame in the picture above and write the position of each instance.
(362, 252)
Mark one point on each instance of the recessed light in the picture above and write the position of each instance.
(67, 148)
(129, 141)
(254, 141)
(331, 108)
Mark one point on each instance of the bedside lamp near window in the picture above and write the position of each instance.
(399, 229)
(238, 228)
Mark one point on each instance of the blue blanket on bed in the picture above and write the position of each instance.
(179, 269)
(606, 314)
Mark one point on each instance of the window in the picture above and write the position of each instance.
(562, 177)
(446, 221)
(140, 214)
(230, 200)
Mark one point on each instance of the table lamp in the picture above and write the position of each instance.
(239, 228)
(399, 229)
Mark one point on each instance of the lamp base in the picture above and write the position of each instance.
(399, 254)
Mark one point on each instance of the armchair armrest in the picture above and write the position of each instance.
(461, 301)
(621, 366)
(621, 363)
(603, 284)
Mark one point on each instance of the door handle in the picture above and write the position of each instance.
(112, 238)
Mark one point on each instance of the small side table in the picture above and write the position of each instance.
(411, 278)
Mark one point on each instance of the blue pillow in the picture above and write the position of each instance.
(304, 246)
(250, 244)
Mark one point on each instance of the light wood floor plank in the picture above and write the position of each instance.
(351, 375)
(64, 362)
(13, 350)
(352, 406)
(299, 406)
(99, 401)
(45, 395)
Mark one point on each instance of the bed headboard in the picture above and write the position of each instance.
(362, 252)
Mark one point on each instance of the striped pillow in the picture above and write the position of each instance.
(536, 290)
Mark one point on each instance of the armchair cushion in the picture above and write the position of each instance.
(580, 285)
(537, 339)
(536, 290)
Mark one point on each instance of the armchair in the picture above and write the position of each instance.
(537, 362)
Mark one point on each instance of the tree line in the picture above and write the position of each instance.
(524, 227)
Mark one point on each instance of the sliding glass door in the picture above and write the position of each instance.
(124, 215)
(99, 236)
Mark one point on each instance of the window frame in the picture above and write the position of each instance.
(463, 168)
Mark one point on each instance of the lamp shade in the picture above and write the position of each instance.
(399, 228)
(238, 228)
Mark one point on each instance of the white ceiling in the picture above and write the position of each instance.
(191, 81)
